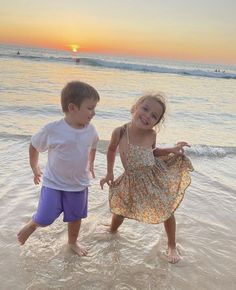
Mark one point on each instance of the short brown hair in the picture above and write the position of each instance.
(76, 92)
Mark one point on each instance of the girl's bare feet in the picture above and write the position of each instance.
(172, 255)
(26, 231)
(79, 249)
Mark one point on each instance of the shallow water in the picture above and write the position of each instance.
(201, 111)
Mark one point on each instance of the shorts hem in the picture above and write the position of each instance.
(75, 219)
(42, 224)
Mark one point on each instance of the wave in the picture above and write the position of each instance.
(197, 150)
(124, 65)
(210, 151)
(39, 57)
(155, 68)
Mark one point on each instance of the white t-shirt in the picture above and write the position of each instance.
(68, 151)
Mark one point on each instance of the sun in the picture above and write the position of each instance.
(74, 47)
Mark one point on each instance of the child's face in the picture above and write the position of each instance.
(83, 115)
(147, 114)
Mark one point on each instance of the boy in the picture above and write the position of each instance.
(71, 144)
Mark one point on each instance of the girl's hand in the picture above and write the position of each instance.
(108, 180)
(179, 148)
(37, 175)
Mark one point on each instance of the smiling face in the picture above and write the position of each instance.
(78, 117)
(147, 114)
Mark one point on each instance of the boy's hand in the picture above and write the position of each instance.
(179, 148)
(108, 180)
(91, 169)
(37, 175)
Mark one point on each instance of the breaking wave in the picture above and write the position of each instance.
(130, 66)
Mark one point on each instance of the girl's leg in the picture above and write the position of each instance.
(26, 231)
(170, 227)
(73, 232)
(116, 221)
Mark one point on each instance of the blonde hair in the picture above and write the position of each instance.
(76, 92)
(159, 97)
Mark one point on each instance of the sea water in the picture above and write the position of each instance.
(201, 109)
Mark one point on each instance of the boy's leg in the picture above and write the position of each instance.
(170, 227)
(49, 208)
(73, 233)
(26, 231)
(75, 205)
(116, 221)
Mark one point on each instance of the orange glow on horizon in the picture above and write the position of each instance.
(180, 51)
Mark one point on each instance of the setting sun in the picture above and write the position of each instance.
(74, 47)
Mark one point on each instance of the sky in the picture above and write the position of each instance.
(192, 30)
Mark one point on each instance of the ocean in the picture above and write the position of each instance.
(201, 109)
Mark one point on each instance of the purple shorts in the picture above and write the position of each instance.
(53, 202)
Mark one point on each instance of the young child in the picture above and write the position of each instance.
(154, 181)
(71, 144)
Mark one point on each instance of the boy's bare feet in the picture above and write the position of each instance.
(26, 231)
(79, 249)
(172, 255)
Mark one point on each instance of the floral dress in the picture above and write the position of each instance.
(151, 188)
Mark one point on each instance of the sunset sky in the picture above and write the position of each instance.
(202, 30)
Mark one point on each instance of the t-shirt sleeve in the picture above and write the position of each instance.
(40, 139)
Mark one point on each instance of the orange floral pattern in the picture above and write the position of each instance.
(151, 188)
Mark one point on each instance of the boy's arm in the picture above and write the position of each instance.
(178, 149)
(34, 157)
(92, 155)
(111, 155)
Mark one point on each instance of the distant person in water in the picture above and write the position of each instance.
(154, 179)
(71, 144)
(18, 53)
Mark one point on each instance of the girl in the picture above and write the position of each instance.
(154, 181)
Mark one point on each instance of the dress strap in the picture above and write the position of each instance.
(127, 134)
(124, 129)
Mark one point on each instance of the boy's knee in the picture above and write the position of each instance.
(44, 222)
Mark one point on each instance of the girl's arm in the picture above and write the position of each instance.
(34, 157)
(111, 155)
(92, 155)
(178, 149)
